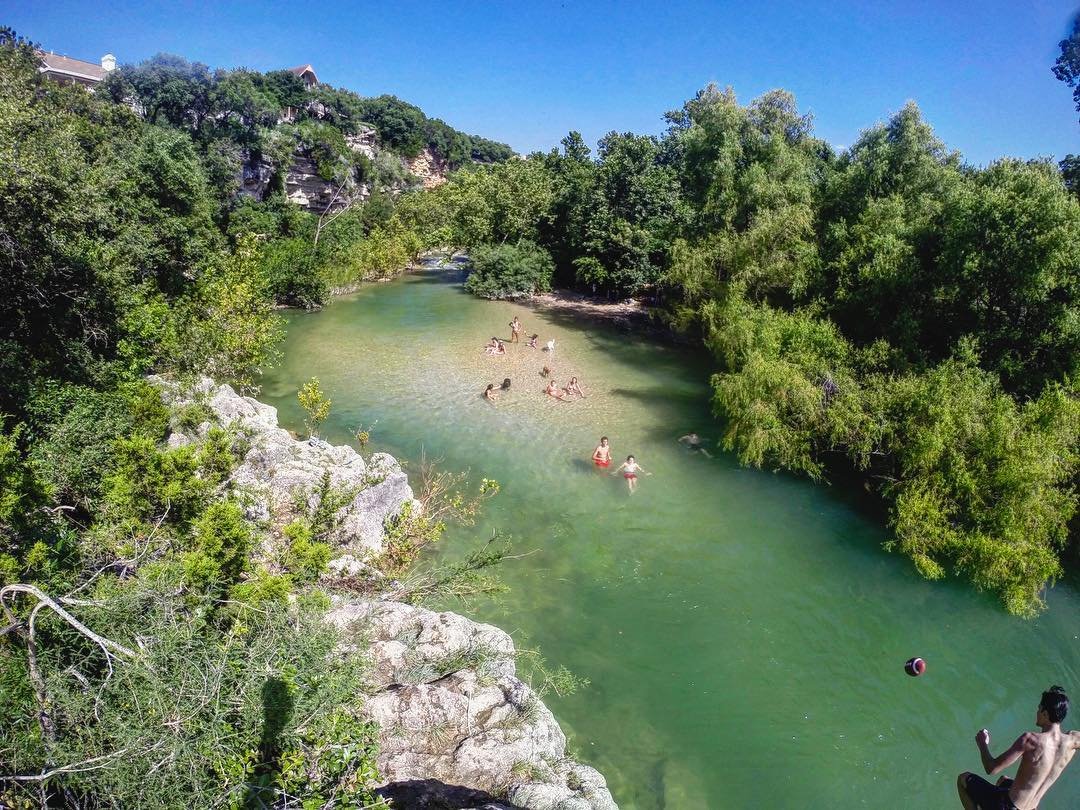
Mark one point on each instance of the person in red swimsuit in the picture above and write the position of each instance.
(601, 456)
(630, 469)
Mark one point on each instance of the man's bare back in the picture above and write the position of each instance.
(1043, 756)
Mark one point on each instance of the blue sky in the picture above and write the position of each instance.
(528, 72)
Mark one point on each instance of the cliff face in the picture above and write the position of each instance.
(457, 726)
(428, 167)
(304, 187)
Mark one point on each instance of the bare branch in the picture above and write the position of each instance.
(107, 646)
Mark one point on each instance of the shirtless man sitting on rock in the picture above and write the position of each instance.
(1043, 756)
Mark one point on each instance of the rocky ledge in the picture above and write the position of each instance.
(458, 728)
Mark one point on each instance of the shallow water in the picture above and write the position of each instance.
(743, 631)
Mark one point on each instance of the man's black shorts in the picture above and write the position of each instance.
(987, 796)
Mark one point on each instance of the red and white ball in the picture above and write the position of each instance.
(915, 667)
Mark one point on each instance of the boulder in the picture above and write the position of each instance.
(451, 709)
(280, 473)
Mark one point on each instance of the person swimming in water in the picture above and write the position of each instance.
(601, 456)
(694, 442)
(505, 384)
(554, 391)
(489, 393)
(573, 389)
(630, 469)
(532, 341)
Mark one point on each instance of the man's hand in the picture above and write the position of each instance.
(982, 739)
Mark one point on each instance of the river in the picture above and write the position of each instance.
(743, 630)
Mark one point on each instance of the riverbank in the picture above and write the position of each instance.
(453, 715)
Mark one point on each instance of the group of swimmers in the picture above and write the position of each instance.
(495, 346)
(630, 468)
(601, 457)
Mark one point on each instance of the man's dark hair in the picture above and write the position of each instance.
(1055, 703)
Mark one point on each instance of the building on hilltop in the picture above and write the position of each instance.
(65, 70)
(307, 73)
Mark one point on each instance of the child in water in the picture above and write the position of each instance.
(630, 469)
(601, 456)
(489, 393)
(532, 341)
(573, 389)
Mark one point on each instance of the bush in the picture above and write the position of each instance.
(510, 271)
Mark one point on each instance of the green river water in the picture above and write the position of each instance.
(744, 631)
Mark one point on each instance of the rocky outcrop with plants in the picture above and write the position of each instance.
(451, 711)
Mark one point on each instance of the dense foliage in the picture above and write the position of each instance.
(509, 271)
(887, 309)
(146, 658)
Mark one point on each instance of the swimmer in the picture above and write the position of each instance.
(515, 329)
(505, 384)
(693, 441)
(532, 341)
(601, 456)
(630, 469)
(554, 391)
(489, 393)
(573, 389)
(550, 346)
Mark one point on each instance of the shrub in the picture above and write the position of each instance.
(510, 271)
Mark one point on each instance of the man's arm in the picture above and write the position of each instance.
(995, 765)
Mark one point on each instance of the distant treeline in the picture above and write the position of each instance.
(886, 308)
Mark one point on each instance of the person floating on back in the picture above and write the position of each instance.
(630, 469)
(1043, 756)
(515, 330)
(601, 456)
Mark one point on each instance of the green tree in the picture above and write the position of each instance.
(1067, 66)
(315, 404)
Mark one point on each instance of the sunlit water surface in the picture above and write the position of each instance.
(744, 631)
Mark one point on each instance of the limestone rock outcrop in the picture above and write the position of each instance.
(451, 709)
(279, 472)
(458, 728)
(428, 168)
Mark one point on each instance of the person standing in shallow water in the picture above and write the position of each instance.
(515, 330)
(1043, 756)
(601, 456)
